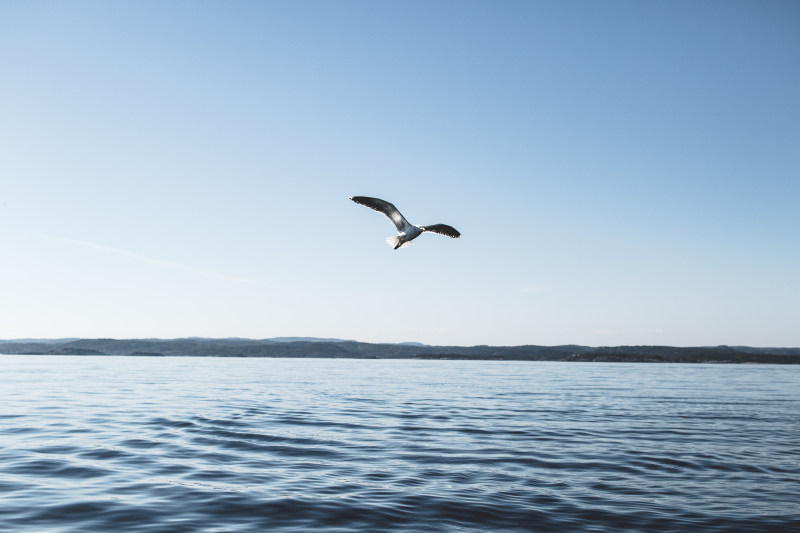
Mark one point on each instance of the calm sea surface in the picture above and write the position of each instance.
(129, 444)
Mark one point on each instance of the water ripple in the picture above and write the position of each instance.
(211, 445)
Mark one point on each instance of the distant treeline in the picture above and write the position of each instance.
(361, 350)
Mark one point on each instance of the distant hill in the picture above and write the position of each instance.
(304, 339)
(43, 341)
(336, 348)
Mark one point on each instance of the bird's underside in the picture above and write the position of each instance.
(406, 231)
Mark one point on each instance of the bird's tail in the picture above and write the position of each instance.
(394, 242)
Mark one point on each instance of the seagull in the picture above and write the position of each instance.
(406, 232)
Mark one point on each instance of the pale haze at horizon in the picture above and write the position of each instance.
(621, 172)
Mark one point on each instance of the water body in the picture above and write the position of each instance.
(98, 444)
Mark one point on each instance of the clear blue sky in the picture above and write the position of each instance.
(621, 172)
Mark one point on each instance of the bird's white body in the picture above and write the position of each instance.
(405, 238)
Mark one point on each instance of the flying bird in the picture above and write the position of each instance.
(407, 232)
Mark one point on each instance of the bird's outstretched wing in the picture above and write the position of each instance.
(443, 229)
(382, 206)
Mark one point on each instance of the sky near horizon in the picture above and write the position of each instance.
(622, 172)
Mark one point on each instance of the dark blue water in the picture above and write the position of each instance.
(99, 444)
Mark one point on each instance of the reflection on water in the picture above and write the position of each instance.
(207, 445)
